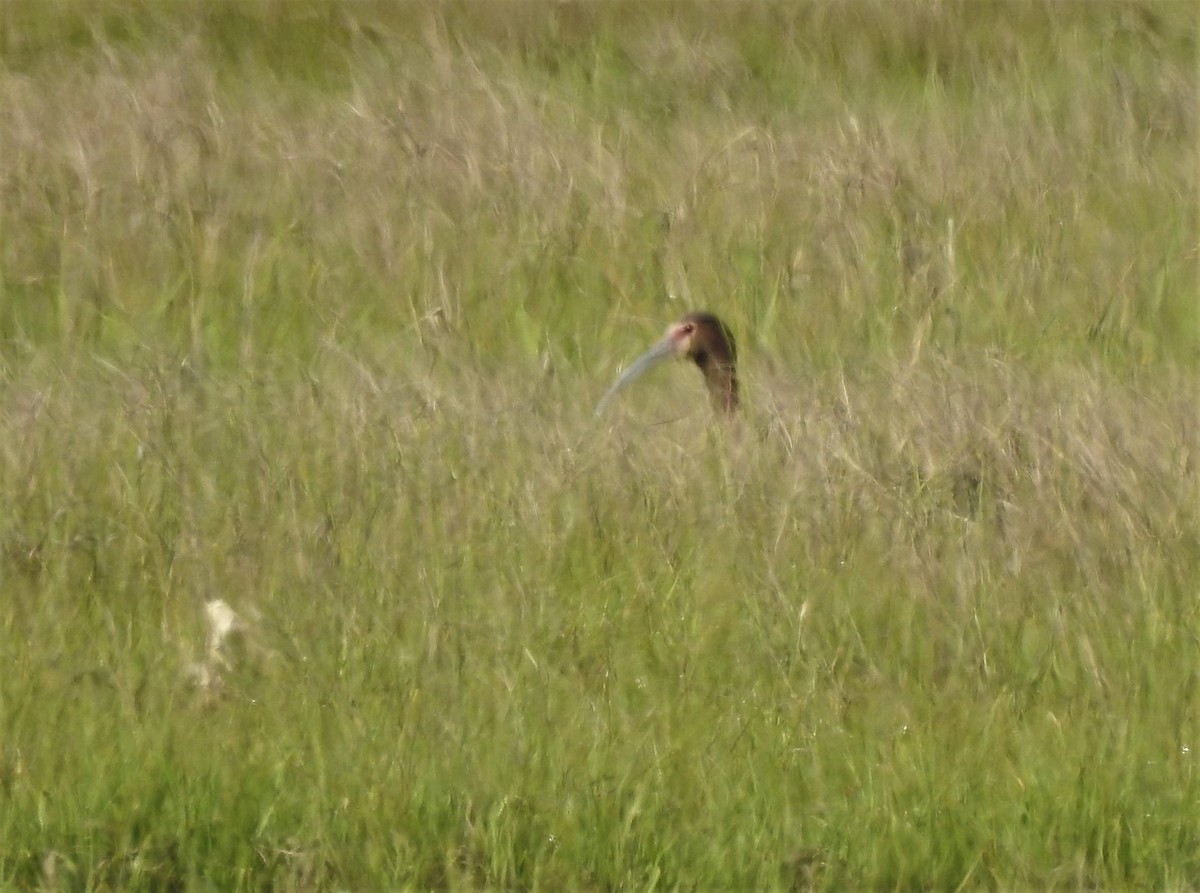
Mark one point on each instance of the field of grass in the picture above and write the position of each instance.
(318, 573)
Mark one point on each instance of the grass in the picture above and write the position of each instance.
(304, 308)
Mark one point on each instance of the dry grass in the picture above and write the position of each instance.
(303, 310)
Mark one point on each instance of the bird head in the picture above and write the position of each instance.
(705, 340)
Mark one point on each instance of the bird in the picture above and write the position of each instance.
(705, 340)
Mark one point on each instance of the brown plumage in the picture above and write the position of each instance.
(705, 340)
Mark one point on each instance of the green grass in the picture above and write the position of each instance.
(304, 308)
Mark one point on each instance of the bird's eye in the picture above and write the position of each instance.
(688, 329)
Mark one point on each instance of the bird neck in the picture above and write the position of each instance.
(723, 387)
(720, 374)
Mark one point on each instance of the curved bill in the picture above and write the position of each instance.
(665, 349)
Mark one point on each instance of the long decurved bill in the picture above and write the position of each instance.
(664, 350)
